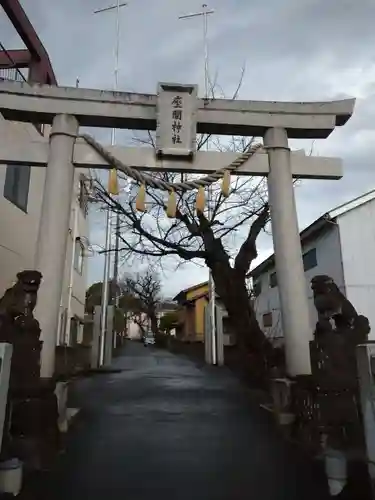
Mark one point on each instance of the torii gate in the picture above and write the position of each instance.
(68, 108)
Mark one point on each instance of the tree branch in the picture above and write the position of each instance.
(182, 252)
(248, 251)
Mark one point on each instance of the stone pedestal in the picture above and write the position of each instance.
(327, 403)
(281, 392)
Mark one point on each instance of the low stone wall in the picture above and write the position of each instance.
(70, 360)
(233, 359)
(193, 350)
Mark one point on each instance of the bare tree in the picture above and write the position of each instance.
(223, 237)
(145, 292)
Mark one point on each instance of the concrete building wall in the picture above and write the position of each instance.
(133, 330)
(357, 234)
(19, 230)
(76, 269)
(328, 259)
(189, 323)
(79, 283)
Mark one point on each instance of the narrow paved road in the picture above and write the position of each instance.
(166, 428)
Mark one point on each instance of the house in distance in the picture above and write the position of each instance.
(193, 302)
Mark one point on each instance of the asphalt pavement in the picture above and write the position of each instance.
(165, 427)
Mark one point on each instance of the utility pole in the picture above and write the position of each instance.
(204, 13)
(116, 260)
(107, 258)
(115, 276)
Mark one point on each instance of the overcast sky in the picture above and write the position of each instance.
(293, 50)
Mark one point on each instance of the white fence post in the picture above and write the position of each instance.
(6, 351)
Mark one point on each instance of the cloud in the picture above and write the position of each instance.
(305, 50)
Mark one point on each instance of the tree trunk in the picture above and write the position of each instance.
(254, 346)
(138, 320)
(154, 323)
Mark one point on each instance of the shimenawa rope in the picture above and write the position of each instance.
(145, 179)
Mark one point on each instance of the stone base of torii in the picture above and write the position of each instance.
(69, 108)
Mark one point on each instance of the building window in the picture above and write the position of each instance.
(79, 250)
(267, 320)
(17, 183)
(273, 280)
(257, 288)
(309, 259)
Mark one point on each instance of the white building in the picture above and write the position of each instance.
(21, 193)
(341, 244)
(133, 328)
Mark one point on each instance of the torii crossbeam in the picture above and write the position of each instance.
(17, 151)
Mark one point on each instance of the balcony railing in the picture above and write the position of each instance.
(11, 74)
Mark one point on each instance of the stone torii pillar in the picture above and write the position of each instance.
(52, 239)
(291, 279)
(272, 120)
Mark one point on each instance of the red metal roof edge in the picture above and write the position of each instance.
(26, 31)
